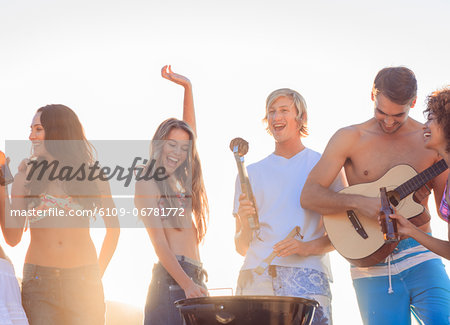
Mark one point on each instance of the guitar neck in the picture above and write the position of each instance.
(421, 179)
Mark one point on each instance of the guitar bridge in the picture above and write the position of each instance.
(356, 224)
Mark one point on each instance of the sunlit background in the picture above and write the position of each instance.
(103, 59)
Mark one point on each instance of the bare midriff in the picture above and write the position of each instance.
(62, 248)
(183, 242)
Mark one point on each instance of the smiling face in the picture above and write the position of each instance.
(433, 134)
(175, 149)
(390, 116)
(37, 135)
(282, 119)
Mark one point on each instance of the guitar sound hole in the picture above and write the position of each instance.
(393, 201)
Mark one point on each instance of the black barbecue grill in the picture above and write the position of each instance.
(247, 310)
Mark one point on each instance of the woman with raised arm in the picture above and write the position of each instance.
(62, 273)
(436, 134)
(175, 212)
(11, 310)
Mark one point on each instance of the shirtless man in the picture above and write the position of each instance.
(367, 151)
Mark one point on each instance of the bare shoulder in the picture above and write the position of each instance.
(146, 193)
(414, 124)
(339, 149)
(344, 139)
(146, 187)
(412, 136)
(351, 132)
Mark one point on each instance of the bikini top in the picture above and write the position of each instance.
(47, 201)
(444, 208)
(179, 217)
(181, 201)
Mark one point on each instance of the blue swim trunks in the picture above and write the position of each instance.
(412, 280)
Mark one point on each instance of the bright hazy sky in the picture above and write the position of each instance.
(103, 59)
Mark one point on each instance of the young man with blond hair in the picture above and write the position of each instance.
(301, 267)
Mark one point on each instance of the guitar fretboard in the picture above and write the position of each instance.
(421, 179)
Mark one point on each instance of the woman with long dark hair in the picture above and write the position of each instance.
(62, 273)
(175, 212)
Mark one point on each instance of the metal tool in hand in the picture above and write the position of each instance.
(240, 148)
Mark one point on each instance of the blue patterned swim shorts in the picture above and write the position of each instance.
(291, 282)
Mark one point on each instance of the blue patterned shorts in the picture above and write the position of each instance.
(291, 282)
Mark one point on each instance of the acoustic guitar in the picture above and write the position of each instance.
(359, 238)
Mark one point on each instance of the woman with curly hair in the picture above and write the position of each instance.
(174, 210)
(436, 133)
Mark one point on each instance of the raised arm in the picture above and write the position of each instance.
(112, 227)
(188, 103)
(146, 196)
(316, 194)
